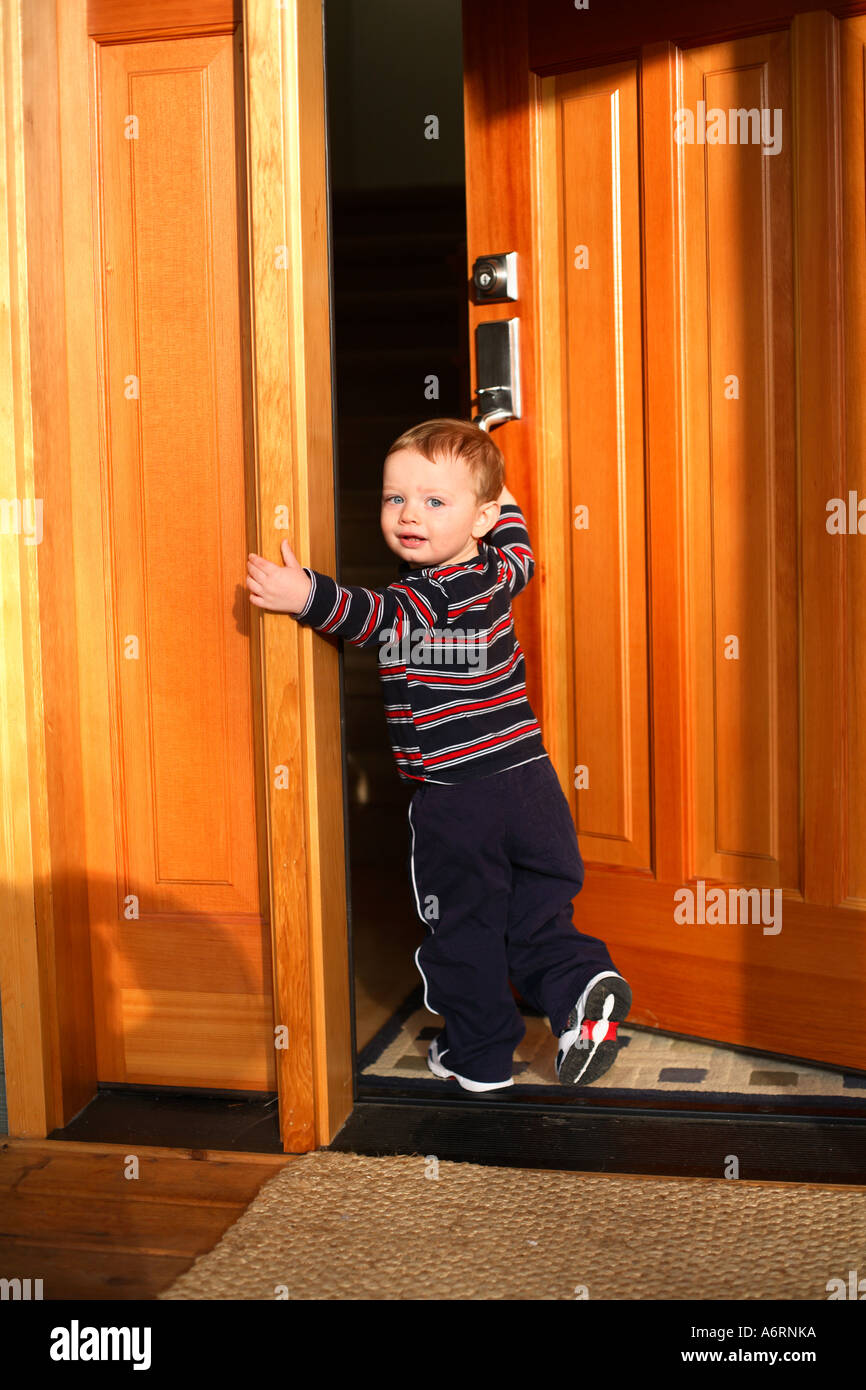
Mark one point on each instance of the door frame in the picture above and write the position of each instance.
(291, 353)
(50, 446)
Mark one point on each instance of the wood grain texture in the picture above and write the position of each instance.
(666, 611)
(73, 1218)
(291, 347)
(290, 719)
(63, 408)
(740, 475)
(740, 275)
(562, 37)
(32, 1062)
(851, 880)
(820, 325)
(121, 19)
(731, 983)
(175, 483)
(499, 219)
(597, 371)
(553, 546)
(333, 1060)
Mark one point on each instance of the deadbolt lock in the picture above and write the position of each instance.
(495, 277)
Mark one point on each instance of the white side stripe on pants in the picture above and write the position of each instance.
(420, 913)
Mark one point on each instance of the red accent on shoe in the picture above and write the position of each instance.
(588, 1023)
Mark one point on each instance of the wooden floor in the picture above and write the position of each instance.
(69, 1216)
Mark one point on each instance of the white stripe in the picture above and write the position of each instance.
(312, 594)
(536, 759)
(424, 978)
(420, 914)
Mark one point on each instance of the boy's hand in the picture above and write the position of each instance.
(281, 588)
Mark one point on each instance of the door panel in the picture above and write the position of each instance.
(853, 99)
(740, 474)
(600, 289)
(688, 395)
(184, 975)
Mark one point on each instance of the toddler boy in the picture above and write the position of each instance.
(494, 858)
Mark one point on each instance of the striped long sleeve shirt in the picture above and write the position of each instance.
(450, 664)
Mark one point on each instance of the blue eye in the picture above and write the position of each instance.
(396, 498)
(437, 500)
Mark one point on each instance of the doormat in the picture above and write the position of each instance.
(648, 1064)
(346, 1226)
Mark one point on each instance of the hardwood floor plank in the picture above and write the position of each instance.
(83, 1222)
(102, 1176)
(69, 1216)
(98, 1275)
(89, 1147)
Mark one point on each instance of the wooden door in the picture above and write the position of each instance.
(172, 783)
(692, 339)
(182, 965)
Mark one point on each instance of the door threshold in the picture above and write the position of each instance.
(558, 1098)
(172, 1118)
(662, 1141)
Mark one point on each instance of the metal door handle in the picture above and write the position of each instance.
(497, 357)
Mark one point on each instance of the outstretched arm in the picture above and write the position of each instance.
(364, 617)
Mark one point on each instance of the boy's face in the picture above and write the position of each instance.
(430, 514)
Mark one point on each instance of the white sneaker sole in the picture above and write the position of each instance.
(598, 1052)
(433, 1062)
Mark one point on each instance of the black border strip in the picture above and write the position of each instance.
(650, 1143)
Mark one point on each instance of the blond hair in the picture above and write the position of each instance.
(459, 439)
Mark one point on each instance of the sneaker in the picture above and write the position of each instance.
(588, 1045)
(435, 1064)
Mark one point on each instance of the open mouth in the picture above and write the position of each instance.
(412, 541)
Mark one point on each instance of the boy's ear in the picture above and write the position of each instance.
(488, 515)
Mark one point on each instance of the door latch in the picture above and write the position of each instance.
(497, 360)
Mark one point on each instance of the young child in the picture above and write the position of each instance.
(494, 858)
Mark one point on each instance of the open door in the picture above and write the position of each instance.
(688, 223)
(173, 905)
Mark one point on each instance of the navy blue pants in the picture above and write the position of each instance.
(495, 864)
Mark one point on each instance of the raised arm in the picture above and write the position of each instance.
(511, 538)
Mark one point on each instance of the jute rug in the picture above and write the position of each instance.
(344, 1226)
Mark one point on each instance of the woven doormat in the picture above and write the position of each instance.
(649, 1063)
(345, 1226)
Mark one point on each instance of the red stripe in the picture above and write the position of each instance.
(421, 676)
(588, 1024)
(475, 705)
(373, 620)
(455, 569)
(455, 612)
(417, 600)
(335, 621)
(487, 743)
